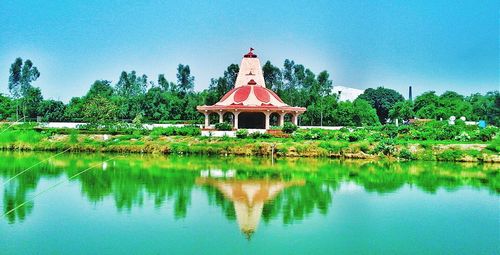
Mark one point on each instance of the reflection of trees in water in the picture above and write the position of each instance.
(15, 194)
(132, 180)
(295, 203)
(18, 191)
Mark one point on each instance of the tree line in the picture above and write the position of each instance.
(137, 98)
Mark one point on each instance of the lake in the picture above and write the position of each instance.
(133, 204)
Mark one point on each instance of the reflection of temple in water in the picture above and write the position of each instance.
(248, 197)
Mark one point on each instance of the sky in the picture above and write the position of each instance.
(431, 45)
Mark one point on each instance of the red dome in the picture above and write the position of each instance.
(251, 95)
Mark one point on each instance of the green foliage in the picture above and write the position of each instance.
(224, 126)
(73, 136)
(494, 145)
(185, 81)
(487, 134)
(406, 154)
(257, 135)
(386, 147)
(402, 110)
(7, 107)
(289, 128)
(359, 113)
(333, 146)
(31, 102)
(180, 131)
(450, 155)
(52, 110)
(382, 99)
(99, 110)
(242, 133)
(20, 77)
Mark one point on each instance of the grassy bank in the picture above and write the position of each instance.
(334, 144)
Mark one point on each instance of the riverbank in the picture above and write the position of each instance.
(29, 140)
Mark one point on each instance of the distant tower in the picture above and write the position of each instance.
(409, 94)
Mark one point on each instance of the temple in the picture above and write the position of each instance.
(250, 102)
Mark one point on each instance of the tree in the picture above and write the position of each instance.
(429, 100)
(357, 113)
(486, 107)
(156, 104)
(7, 107)
(74, 109)
(15, 78)
(220, 86)
(402, 110)
(273, 77)
(99, 110)
(20, 78)
(31, 102)
(165, 85)
(382, 99)
(52, 110)
(130, 85)
(184, 79)
(130, 90)
(29, 73)
(101, 88)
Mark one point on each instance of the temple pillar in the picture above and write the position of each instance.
(282, 119)
(207, 119)
(295, 119)
(221, 117)
(235, 126)
(268, 114)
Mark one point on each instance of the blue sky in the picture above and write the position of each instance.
(431, 45)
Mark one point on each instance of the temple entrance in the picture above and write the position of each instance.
(252, 120)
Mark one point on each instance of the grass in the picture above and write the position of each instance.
(186, 140)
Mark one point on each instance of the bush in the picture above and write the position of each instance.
(385, 147)
(289, 128)
(494, 145)
(463, 137)
(73, 136)
(450, 155)
(406, 154)
(487, 134)
(223, 126)
(242, 133)
(256, 135)
(181, 131)
(390, 131)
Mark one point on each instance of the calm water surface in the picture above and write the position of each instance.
(197, 205)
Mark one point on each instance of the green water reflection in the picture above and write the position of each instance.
(245, 190)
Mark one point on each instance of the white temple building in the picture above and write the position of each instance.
(346, 93)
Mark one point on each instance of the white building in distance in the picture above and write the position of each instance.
(347, 94)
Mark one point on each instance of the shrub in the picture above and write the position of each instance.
(223, 126)
(406, 154)
(334, 147)
(73, 136)
(181, 131)
(390, 131)
(450, 155)
(289, 128)
(257, 135)
(242, 133)
(462, 137)
(494, 145)
(385, 147)
(487, 134)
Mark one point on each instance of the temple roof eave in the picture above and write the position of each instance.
(247, 108)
